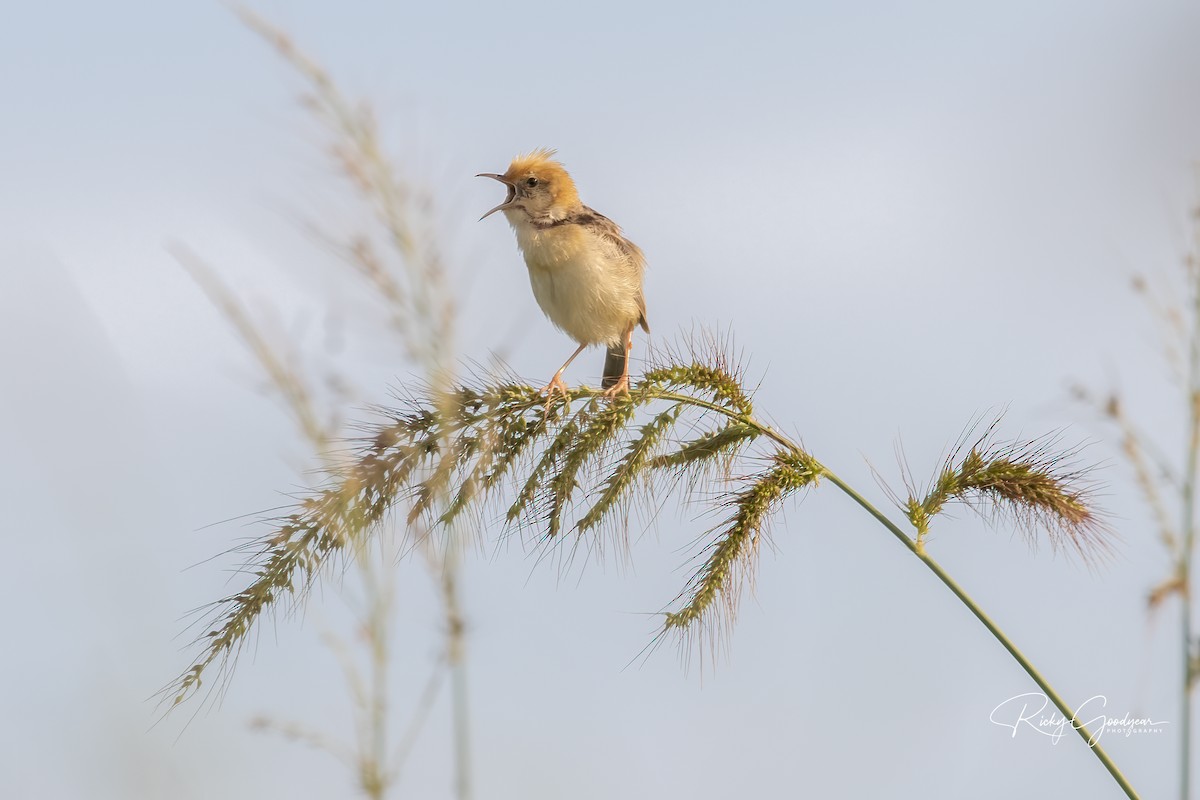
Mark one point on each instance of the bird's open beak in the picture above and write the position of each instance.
(512, 192)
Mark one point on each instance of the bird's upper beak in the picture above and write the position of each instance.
(512, 192)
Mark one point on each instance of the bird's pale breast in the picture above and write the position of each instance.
(584, 284)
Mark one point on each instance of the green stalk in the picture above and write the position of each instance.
(993, 628)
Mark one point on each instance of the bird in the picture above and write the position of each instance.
(587, 277)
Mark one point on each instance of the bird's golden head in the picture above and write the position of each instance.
(538, 186)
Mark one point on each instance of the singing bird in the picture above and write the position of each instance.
(586, 276)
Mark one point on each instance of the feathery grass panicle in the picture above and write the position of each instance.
(555, 451)
(442, 452)
(714, 590)
(503, 440)
(1032, 482)
(701, 361)
(635, 462)
(433, 454)
(287, 562)
(445, 452)
(421, 307)
(600, 431)
(724, 387)
(712, 446)
(399, 257)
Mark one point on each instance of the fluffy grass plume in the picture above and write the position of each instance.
(1035, 483)
(579, 469)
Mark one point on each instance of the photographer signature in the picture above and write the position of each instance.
(1029, 710)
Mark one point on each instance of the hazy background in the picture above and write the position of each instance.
(906, 217)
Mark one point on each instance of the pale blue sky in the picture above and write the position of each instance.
(909, 214)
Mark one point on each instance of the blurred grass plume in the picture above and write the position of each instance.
(1169, 477)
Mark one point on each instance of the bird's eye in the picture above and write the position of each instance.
(531, 182)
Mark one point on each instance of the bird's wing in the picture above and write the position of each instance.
(610, 232)
(605, 228)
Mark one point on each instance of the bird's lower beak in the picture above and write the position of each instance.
(508, 201)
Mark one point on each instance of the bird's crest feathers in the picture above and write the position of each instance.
(541, 164)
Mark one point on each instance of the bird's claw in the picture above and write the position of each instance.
(556, 386)
(618, 389)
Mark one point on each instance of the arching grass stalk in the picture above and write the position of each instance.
(918, 550)
(579, 470)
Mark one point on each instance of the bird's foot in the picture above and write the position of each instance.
(618, 389)
(556, 386)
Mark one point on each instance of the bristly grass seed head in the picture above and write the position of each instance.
(1034, 483)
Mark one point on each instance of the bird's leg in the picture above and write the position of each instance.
(622, 384)
(557, 385)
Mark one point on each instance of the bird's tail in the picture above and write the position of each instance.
(614, 366)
